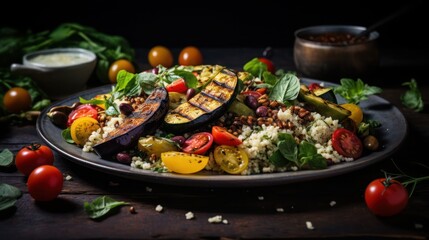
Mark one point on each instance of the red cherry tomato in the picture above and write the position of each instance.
(190, 56)
(199, 143)
(178, 85)
(313, 86)
(33, 156)
(84, 110)
(346, 143)
(45, 183)
(386, 197)
(270, 65)
(222, 137)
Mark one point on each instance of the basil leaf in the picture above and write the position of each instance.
(288, 148)
(101, 206)
(277, 159)
(412, 98)
(67, 135)
(269, 78)
(125, 81)
(190, 79)
(286, 88)
(8, 195)
(92, 101)
(147, 81)
(6, 158)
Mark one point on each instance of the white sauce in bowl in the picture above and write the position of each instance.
(60, 59)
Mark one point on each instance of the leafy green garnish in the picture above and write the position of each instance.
(255, 67)
(101, 206)
(8, 195)
(285, 89)
(67, 135)
(303, 156)
(355, 91)
(412, 98)
(6, 158)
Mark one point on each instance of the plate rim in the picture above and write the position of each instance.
(212, 180)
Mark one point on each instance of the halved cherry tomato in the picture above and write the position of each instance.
(269, 63)
(178, 85)
(84, 110)
(222, 137)
(232, 160)
(346, 143)
(82, 128)
(199, 143)
(184, 163)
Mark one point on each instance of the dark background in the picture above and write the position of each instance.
(220, 23)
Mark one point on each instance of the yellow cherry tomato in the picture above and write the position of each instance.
(190, 56)
(232, 160)
(185, 163)
(118, 65)
(357, 113)
(81, 129)
(160, 55)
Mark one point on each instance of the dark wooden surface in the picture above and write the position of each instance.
(250, 211)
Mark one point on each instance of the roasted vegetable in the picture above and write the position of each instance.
(156, 145)
(206, 106)
(325, 93)
(144, 120)
(322, 106)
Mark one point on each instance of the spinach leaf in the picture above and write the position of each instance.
(412, 98)
(285, 89)
(8, 195)
(6, 158)
(101, 206)
(355, 91)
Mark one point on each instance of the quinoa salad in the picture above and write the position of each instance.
(211, 118)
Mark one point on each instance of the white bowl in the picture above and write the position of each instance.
(59, 72)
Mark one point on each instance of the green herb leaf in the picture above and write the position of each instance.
(255, 67)
(101, 206)
(190, 79)
(277, 159)
(67, 135)
(6, 158)
(412, 98)
(285, 89)
(309, 158)
(8, 195)
(355, 91)
(147, 81)
(288, 147)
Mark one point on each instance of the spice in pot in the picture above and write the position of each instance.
(336, 38)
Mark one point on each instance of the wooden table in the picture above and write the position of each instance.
(251, 212)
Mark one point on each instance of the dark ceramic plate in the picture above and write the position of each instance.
(391, 134)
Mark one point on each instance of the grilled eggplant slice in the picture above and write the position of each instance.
(206, 106)
(144, 120)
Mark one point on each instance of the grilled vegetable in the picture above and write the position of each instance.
(156, 145)
(325, 93)
(144, 120)
(206, 106)
(322, 106)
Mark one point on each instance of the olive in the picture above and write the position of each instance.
(370, 142)
(190, 93)
(58, 118)
(252, 102)
(179, 140)
(262, 111)
(126, 108)
(123, 157)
